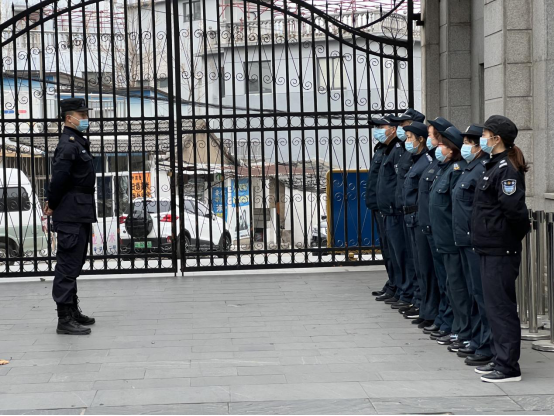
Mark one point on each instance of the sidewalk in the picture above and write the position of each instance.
(269, 343)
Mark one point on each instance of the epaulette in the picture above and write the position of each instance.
(71, 138)
(503, 163)
(456, 166)
(429, 158)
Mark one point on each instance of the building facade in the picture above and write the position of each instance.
(485, 57)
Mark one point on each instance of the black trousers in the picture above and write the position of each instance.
(445, 317)
(499, 274)
(389, 287)
(428, 284)
(401, 259)
(458, 295)
(480, 328)
(412, 253)
(73, 239)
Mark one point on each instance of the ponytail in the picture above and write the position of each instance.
(518, 160)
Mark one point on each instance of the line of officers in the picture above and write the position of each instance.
(451, 214)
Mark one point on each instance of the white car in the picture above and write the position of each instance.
(20, 217)
(152, 232)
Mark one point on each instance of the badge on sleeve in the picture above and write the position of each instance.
(509, 186)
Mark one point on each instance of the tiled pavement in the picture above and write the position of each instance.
(296, 343)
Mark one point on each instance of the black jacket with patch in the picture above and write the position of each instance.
(71, 189)
(500, 217)
(387, 179)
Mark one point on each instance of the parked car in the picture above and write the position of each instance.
(20, 217)
(319, 237)
(148, 228)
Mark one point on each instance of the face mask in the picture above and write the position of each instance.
(486, 148)
(410, 147)
(430, 144)
(379, 135)
(83, 125)
(466, 152)
(401, 134)
(438, 154)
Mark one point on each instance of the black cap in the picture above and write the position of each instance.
(473, 131)
(503, 127)
(441, 124)
(410, 114)
(385, 120)
(73, 104)
(454, 135)
(419, 129)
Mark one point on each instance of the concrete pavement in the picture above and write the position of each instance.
(279, 342)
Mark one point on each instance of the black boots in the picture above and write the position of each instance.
(67, 324)
(78, 315)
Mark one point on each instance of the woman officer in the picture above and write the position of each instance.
(440, 209)
(415, 145)
(499, 223)
(479, 351)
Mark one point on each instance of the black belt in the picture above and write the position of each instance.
(410, 210)
(82, 190)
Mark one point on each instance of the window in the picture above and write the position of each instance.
(203, 210)
(196, 10)
(107, 109)
(257, 83)
(335, 65)
(9, 198)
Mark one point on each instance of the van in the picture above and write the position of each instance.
(20, 217)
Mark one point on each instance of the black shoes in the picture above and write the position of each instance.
(446, 340)
(485, 369)
(378, 293)
(78, 314)
(389, 300)
(399, 304)
(385, 297)
(402, 310)
(424, 323)
(412, 313)
(466, 351)
(67, 325)
(458, 345)
(498, 377)
(477, 360)
(431, 328)
(438, 334)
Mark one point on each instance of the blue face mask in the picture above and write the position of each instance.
(430, 144)
(379, 135)
(486, 148)
(410, 147)
(83, 125)
(401, 134)
(466, 152)
(438, 154)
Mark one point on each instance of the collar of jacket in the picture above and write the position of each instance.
(391, 145)
(77, 134)
(477, 161)
(417, 156)
(496, 158)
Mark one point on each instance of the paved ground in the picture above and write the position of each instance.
(274, 343)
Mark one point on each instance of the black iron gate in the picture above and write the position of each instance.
(227, 133)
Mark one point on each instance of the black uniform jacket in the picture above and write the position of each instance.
(440, 205)
(462, 200)
(71, 189)
(387, 179)
(371, 187)
(500, 218)
(425, 182)
(410, 190)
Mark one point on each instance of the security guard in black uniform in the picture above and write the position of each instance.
(479, 350)
(402, 167)
(371, 203)
(71, 204)
(499, 223)
(415, 145)
(393, 216)
(440, 209)
(432, 263)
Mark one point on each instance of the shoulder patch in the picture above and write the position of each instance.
(503, 164)
(456, 166)
(509, 186)
(429, 158)
(71, 139)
